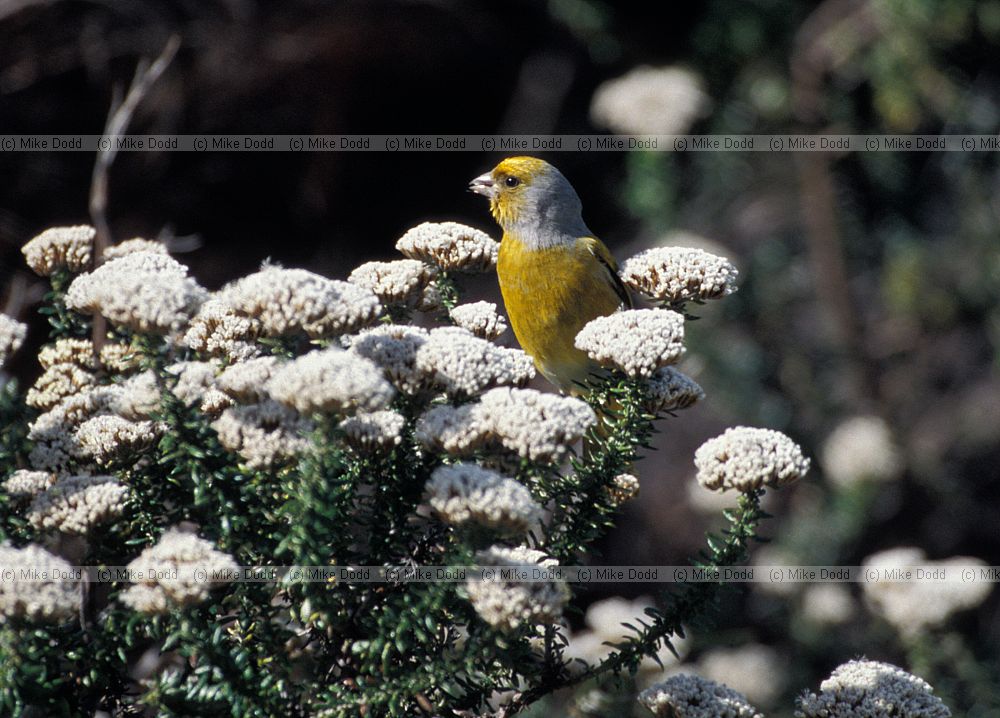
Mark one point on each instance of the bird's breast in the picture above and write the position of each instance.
(550, 294)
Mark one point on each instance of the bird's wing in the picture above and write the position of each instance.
(601, 253)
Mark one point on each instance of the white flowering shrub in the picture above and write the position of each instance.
(289, 419)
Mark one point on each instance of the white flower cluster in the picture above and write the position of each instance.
(827, 604)
(746, 458)
(136, 398)
(246, 380)
(455, 430)
(109, 438)
(290, 301)
(144, 291)
(132, 246)
(330, 380)
(450, 246)
(670, 390)
(480, 318)
(74, 504)
(464, 493)
(49, 601)
(266, 434)
(119, 357)
(195, 562)
(679, 274)
(79, 352)
(462, 364)
(58, 248)
(535, 426)
(401, 281)
(539, 427)
(755, 670)
(861, 449)
(12, 334)
(369, 431)
(650, 101)
(26, 483)
(912, 607)
(54, 432)
(196, 386)
(636, 341)
(56, 383)
(688, 696)
(859, 689)
(113, 357)
(507, 605)
(393, 348)
(622, 488)
(218, 331)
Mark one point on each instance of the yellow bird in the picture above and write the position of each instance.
(555, 276)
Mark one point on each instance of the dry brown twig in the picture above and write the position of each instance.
(119, 118)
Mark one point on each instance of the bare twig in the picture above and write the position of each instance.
(119, 118)
(811, 61)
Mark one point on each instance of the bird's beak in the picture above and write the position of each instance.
(483, 184)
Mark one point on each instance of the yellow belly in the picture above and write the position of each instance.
(550, 294)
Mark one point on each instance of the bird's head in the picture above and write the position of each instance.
(530, 197)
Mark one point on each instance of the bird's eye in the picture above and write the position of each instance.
(512, 181)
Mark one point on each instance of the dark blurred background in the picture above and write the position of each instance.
(869, 281)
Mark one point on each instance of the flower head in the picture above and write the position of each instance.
(539, 427)
(687, 696)
(136, 398)
(745, 458)
(219, 331)
(755, 670)
(462, 364)
(246, 380)
(450, 246)
(393, 348)
(26, 483)
(52, 432)
(622, 488)
(56, 383)
(507, 605)
(679, 274)
(670, 390)
(12, 334)
(455, 430)
(131, 246)
(827, 604)
(466, 493)
(58, 248)
(650, 101)
(290, 301)
(74, 504)
(145, 292)
(50, 601)
(368, 431)
(78, 352)
(912, 607)
(399, 282)
(196, 386)
(109, 438)
(858, 689)
(480, 318)
(636, 341)
(431, 299)
(182, 559)
(330, 380)
(265, 434)
(861, 449)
